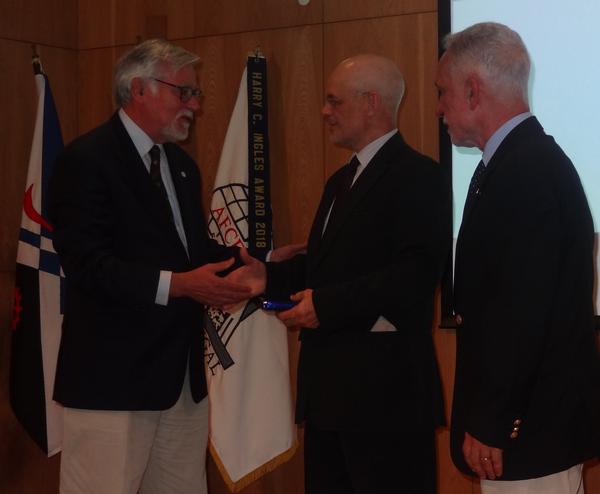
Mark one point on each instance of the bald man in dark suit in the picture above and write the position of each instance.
(368, 384)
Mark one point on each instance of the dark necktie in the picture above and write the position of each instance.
(343, 188)
(156, 177)
(476, 180)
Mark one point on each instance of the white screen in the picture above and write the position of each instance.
(562, 39)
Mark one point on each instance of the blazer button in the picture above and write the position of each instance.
(514, 434)
(517, 422)
(458, 319)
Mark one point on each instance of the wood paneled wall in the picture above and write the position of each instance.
(79, 41)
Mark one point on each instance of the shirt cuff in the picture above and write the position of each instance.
(164, 285)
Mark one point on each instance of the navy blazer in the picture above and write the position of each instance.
(120, 350)
(382, 256)
(527, 366)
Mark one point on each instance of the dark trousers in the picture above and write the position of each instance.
(369, 462)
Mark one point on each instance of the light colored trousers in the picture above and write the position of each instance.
(120, 452)
(567, 482)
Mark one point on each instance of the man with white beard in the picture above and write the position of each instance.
(140, 269)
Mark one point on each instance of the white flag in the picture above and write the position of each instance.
(251, 415)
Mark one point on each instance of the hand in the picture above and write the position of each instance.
(287, 252)
(252, 274)
(303, 313)
(485, 461)
(203, 285)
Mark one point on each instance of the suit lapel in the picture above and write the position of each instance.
(138, 180)
(187, 206)
(376, 168)
(316, 232)
(514, 137)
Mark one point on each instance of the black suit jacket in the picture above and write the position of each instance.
(119, 349)
(526, 349)
(383, 256)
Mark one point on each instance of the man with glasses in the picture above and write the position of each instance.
(131, 236)
(368, 385)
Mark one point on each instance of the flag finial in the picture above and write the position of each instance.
(258, 53)
(36, 61)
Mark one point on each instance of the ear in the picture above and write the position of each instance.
(137, 88)
(373, 102)
(473, 91)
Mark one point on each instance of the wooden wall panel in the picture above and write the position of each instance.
(123, 22)
(49, 22)
(342, 10)
(95, 71)
(109, 23)
(232, 16)
(120, 22)
(411, 41)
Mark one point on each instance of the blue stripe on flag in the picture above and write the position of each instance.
(30, 238)
(51, 147)
(49, 262)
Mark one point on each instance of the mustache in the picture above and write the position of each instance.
(187, 113)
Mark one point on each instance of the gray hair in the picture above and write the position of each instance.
(496, 52)
(147, 60)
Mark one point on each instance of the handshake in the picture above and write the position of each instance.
(204, 285)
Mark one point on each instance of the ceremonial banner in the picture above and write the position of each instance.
(37, 315)
(251, 419)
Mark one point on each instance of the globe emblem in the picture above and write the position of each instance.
(228, 221)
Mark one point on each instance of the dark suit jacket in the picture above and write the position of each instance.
(526, 348)
(119, 349)
(383, 256)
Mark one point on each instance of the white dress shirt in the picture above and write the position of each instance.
(143, 144)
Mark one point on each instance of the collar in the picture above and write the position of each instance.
(497, 137)
(365, 155)
(141, 140)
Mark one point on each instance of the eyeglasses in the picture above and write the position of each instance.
(334, 102)
(185, 92)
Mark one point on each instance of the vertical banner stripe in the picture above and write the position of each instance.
(260, 217)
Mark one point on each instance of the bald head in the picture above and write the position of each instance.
(363, 94)
(374, 73)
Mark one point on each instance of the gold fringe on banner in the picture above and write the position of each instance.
(246, 480)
